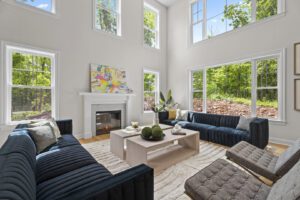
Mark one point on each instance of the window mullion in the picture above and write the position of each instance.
(253, 88)
(204, 29)
(253, 10)
(204, 89)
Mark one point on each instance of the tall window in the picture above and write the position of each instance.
(151, 26)
(108, 16)
(248, 88)
(45, 5)
(151, 89)
(30, 84)
(213, 17)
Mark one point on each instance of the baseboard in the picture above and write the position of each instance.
(79, 136)
(280, 141)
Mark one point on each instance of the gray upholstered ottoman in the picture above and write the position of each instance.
(222, 180)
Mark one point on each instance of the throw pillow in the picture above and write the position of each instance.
(244, 123)
(43, 136)
(181, 114)
(172, 114)
(52, 123)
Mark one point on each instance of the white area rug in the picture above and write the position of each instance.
(170, 183)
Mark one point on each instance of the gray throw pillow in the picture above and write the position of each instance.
(51, 122)
(244, 123)
(43, 136)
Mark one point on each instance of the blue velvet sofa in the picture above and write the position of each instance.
(221, 129)
(65, 171)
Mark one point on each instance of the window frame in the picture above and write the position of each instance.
(281, 71)
(119, 20)
(6, 85)
(157, 27)
(157, 87)
(36, 9)
(280, 10)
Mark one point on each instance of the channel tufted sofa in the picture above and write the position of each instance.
(221, 129)
(65, 171)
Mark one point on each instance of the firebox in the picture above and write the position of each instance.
(107, 121)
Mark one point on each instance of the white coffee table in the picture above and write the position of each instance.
(162, 154)
(118, 140)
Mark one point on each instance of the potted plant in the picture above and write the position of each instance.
(165, 104)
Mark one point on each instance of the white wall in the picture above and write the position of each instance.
(262, 37)
(71, 34)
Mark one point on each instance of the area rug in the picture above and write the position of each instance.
(169, 184)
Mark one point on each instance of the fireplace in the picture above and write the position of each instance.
(107, 121)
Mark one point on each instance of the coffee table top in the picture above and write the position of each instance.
(168, 138)
(125, 134)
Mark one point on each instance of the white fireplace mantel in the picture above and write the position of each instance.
(90, 99)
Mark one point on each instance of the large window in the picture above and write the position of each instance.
(151, 89)
(45, 5)
(213, 17)
(249, 88)
(30, 84)
(108, 16)
(151, 26)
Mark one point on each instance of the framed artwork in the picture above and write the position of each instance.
(297, 58)
(297, 94)
(106, 79)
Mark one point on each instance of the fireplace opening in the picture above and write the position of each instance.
(107, 121)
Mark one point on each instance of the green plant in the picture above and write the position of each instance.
(165, 103)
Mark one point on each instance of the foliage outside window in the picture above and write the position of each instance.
(108, 16)
(45, 5)
(229, 89)
(151, 90)
(214, 17)
(30, 86)
(151, 27)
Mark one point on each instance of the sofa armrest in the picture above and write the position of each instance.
(259, 132)
(136, 183)
(65, 126)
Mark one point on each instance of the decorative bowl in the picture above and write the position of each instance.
(154, 139)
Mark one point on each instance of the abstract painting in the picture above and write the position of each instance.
(106, 79)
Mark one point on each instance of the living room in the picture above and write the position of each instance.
(111, 71)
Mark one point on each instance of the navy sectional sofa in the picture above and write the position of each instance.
(221, 129)
(65, 171)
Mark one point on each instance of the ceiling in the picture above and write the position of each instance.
(167, 2)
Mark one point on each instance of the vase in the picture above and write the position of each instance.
(156, 119)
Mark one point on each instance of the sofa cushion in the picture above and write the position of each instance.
(65, 141)
(17, 179)
(170, 122)
(222, 180)
(183, 124)
(209, 119)
(57, 162)
(70, 183)
(288, 187)
(288, 159)
(253, 158)
(229, 121)
(202, 128)
(227, 136)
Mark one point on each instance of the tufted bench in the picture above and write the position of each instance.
(263, 162)
(223, 181)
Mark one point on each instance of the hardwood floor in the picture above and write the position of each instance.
(277, 149)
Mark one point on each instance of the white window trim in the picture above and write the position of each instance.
(157, 30)
(119, 21)
(6, 49)
(157, 75)
(280, 54)
(53, 13)
(281, 9)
